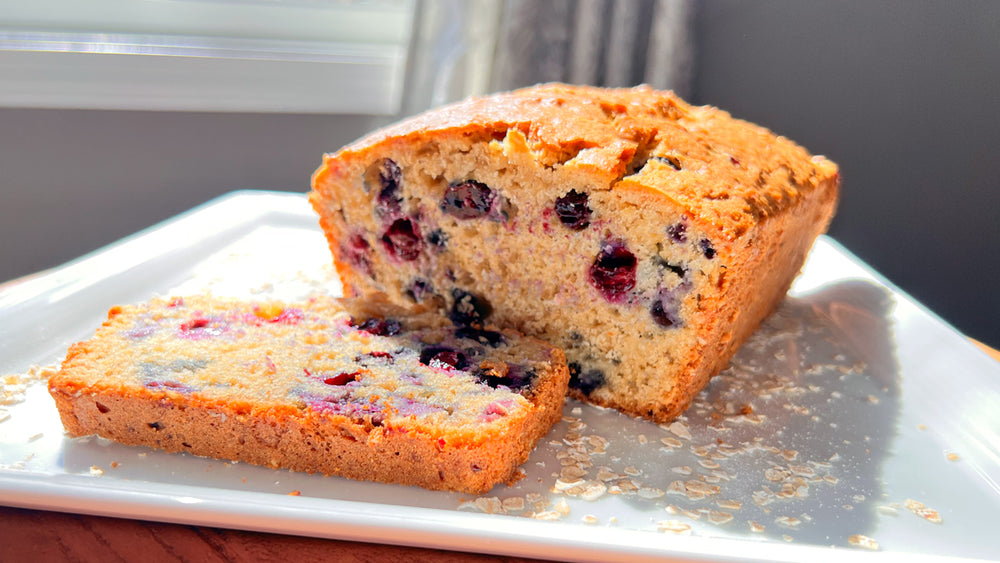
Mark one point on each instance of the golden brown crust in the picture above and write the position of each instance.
(313, 445)
(749, 173)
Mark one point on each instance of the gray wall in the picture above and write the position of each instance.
(905, 96)
(73, 181)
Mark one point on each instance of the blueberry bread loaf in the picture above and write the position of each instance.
(311, 387)
(644, 236)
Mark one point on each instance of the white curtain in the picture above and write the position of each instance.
(599, 42)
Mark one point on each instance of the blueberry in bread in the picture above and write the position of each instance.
(407, 399)
(644, 236)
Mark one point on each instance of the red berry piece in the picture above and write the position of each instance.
(199, 322)
(342, 378)
(613, 271)
(380, 327)
(443, 357)
(468, 200)
(573, 211)
(402, 240)
(201, 327)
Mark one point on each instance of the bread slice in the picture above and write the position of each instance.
(309, 387)
(644, 236)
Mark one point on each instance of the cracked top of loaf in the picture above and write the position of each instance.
(724, 173)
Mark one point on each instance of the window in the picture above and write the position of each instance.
(323, 56)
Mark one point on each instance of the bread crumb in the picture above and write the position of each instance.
(674, 526)
(14, 385)
(96, 471)
(547, 515)
(650, 493)
(729, 504)
(861, 541)
(887, 510)
(590, 519)
(922, 511)
(671, 442)
(593, 490)
(788, 521)
(952, 457)
(513, 504)
(719, 517)
(489, 505)
(680, 430)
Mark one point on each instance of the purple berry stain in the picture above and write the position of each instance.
(402, 240)
(379, 327)
(468, 309)
(613, 271)
(666, 309)
(419, 290)
(468, 200)
(677, 232)
(585, 381)
(389, 177)
(573, 211)
(357, 253)
(706, 248)
(515, 378)
(490, 337)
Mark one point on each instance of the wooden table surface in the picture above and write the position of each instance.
(40, 536)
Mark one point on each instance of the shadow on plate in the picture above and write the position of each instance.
(787, 443)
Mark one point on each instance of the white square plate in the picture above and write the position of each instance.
(852, 418)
